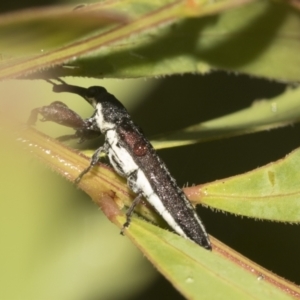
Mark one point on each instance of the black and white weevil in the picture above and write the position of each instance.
(131, 155)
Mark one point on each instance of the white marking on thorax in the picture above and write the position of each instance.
(103, 125)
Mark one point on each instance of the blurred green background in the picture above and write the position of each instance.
(56, 244)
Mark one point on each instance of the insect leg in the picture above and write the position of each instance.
(129, 212)
(60, 113)
(93, 162)
(33, 116)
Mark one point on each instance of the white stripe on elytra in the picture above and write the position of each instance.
(142, 183)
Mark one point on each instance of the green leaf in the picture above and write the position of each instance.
(159, 38)
(38, 30)
(55, 243)
(260, 39)
(271, 192)
(262, 115)
(195, 272)
(201, 274)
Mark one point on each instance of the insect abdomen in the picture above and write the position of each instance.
(154, 181)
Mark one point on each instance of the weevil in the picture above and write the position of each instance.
(131, 155)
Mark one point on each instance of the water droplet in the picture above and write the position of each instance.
(189, 280)
(274, 107)
(260, 277)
